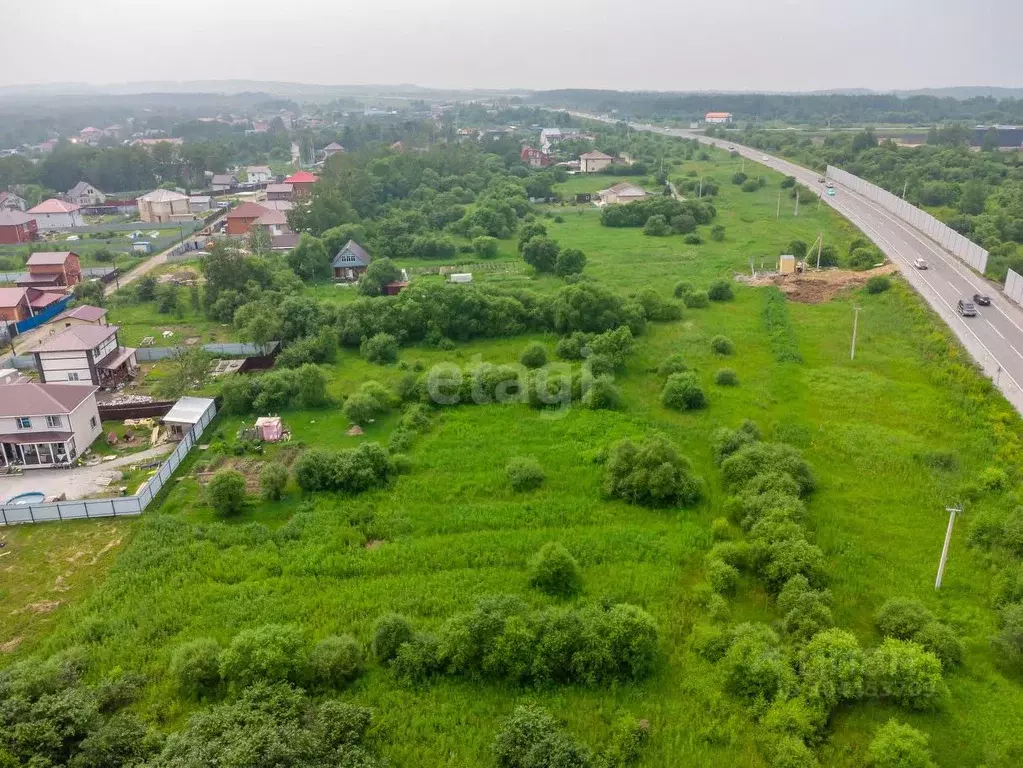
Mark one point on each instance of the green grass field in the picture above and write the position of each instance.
(451, 530)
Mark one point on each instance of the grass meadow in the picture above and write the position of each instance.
(452, 530)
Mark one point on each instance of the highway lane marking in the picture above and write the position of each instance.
(993, 328)
(848, 213)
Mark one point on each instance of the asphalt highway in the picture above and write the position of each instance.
(994, 337)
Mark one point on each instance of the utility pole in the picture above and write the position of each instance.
(952, 511)
(700, 195)
(856, 323)
(777, 214)
(797, 202)
(744, 163)
(820, 245)
(904, 188)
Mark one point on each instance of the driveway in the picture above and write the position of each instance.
(77, 483)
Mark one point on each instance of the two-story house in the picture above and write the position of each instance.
(46, 425)
(350, 262)
(51, 269)
(85, 355)
(84, 194)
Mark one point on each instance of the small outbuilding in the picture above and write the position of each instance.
(270, 429)
(185, 414)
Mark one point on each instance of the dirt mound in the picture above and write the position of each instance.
(818, 287)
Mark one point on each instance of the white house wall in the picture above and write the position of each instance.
(82, 424)
(58, 366)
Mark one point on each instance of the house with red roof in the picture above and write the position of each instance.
(45, 425)
(241, 219)
(53, 268)
(301, 183)
(17, 304)
(56, 214)
(534, 158)
(17, 227)
(717, 117)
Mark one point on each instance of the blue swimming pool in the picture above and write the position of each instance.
(32, 497)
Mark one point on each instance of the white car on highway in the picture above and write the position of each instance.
(920, 264)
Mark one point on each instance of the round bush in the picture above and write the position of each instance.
(674, 364)
(726, 377)
(899, 746)
(381, 349)
(524, 473)
(599, 366)
(696, 300)
(335, 661)
(417, 660)
(657, 226)
(723, 577)
(832, 667)
(271, 653)
(682, 288)
(273, 479)
(534, 356)
(943, 642)
(906, 674)
(195, 668)
(682, 392)
(692, 239)
(878, 284)
(389, 634)
(555, 571)
(755, 665)
(226, 492)
(717, 233)
(902, 617)
(651, 473)
(721, 529)
(722, 345)
(720, 290)
(602, 395)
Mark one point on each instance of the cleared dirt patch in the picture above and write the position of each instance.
(819, 287)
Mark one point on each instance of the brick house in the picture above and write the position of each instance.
(17, 227)
(301, 183)
(241, 219)
(17, 304)
(534, 158)
(54, 268)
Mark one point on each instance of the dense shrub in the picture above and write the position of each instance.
(673, 364)
(614, 346)
(943, 642)
(639, 212)
(270, 653)
(878, 284)
(417, 660)
(390, 632)
(275, 391)
(534, 356)
(902, 617)
(591, 308)
(226, 492)
(485, 247)
(352, 470)
(656, 308)
(602, 395)
(657, 226)
(726, 377)
(382, 348)
(1009, 640)
(195, 668)
(692, 239)
(696, 300)
(273, 479)
(682, 392)
(570, 261)
(806, 611)
(723, 578)
(717, 233)
(571, 347)
(541, 253)
(555, 571)
(722, 345)
(726, 441)
(682, 288)
(907, 674)
(524, 473)
(755, 667)
(651, 473)
(532, 738)
(897, 745)
(780, 332)
(335, 662)
(369, 402)
(720, 290)
(832, 668)
(756, 458)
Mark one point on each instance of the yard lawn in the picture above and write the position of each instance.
(582, 183)
(137, 321)
(451, 530)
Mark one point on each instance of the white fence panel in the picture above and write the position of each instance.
(12, 514)
(1014, 287)
(956, 244)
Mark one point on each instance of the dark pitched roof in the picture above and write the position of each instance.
(34, 399)
(49, 258)
(78, 338)
(357, 256)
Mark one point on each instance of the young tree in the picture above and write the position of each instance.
(379, 273)
(309, 259)
(187, 370)
(259, 240)
(90, 292)
(226, 492)
(541, 253)
(569, 262)
(555, 571)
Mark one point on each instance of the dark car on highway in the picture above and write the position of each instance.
(982, 300)
(966, 309)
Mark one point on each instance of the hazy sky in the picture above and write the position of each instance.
(628, 44)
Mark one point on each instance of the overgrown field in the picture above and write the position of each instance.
(452, 530)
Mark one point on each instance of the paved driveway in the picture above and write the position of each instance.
(77, 483)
